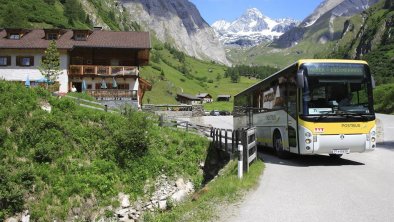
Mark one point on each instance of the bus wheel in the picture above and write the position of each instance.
(335, 156)
(278, 145)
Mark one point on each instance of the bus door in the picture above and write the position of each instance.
(291, 89)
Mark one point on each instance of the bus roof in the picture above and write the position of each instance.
(302, 61)
(296, 65)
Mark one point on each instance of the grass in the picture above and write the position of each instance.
(53, 162)
(226, 188)
(228, 106)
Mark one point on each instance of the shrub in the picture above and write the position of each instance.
(383, 96)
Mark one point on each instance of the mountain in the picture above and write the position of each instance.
(369, 36)
(251, 29)
(323, 17)
(178, 22)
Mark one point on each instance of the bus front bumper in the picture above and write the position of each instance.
(342, 144)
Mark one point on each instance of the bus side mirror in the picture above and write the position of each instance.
(300, 78)
(373, 82)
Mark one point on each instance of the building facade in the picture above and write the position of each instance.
(105, 64)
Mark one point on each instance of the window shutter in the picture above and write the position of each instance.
(18, 60)
(31, 60)
(8, 60)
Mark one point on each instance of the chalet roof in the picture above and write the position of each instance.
(203, 95)
(224, 96)
(35, 39)
(188, 96)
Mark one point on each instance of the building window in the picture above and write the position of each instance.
(25, 61)
(5, 60)
(52, 36)
(15, 36)
(80, 37)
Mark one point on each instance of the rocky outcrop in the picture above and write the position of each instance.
(179, 23)
(167, 193)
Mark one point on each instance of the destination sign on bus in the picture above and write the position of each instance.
(335, 69)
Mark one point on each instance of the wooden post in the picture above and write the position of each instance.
(244, 143)
(220, 138)
(106, 108)
(233, 141)
(187, 126)
(225, 141)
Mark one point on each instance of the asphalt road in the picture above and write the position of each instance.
(358, 187)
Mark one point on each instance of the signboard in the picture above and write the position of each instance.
(334, 69)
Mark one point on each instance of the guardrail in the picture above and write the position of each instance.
(188, 126)
(93, 105)
(241, 142)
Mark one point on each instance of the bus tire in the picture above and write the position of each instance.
(278, 145)
(335, 156)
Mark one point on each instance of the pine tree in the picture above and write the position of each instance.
(16, 17)
(50, 65)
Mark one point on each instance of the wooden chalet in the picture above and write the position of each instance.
(105, 64)
(188, 99)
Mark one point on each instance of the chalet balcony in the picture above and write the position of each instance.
(80, 70)
(112, 94)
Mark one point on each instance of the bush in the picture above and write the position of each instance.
(79, 153)
(384, 97)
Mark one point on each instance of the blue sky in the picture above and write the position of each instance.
(213, 10)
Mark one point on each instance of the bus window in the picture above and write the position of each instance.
(292, 97)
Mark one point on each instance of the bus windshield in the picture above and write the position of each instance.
(333, 89)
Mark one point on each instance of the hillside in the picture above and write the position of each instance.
(71, 163)
(171, 72)
(79, 14)
(370, 36)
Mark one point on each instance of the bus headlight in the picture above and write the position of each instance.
(373, 133)
(308, 134)
(308, 141)
(373, 139)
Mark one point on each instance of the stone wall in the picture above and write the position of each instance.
(197, 110)
(119, 104)
(175, 114)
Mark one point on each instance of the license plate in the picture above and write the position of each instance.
(341, 151)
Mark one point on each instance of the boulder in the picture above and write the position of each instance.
(179, 196)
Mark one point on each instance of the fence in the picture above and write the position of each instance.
(188, 126)
(229, 141)
(91, 104)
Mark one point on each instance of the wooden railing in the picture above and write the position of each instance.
(112, 94)
(229, 140)
(102, 70)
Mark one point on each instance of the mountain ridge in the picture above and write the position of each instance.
(251, 28)
(180, 23)
(323, 15)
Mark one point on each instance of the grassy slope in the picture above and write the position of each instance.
(165, 89)
(53, 162)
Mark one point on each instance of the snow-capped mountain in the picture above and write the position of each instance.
(251, 28)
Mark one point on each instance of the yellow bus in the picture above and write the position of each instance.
(314, 106)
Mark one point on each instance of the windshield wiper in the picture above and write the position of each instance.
(320, 117)
(349, 114)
